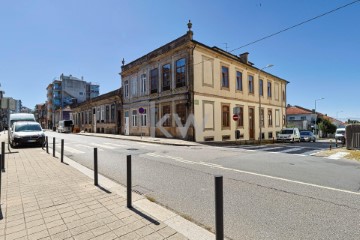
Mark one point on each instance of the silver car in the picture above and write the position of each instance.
(307, 136)
(26, 133)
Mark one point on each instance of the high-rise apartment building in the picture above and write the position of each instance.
(64, 92)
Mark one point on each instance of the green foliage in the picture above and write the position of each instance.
(327, 127)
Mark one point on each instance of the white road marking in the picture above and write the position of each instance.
(255, 174)
(102, 146)
(72, 150)
(116, 145)
(148, 144)
(86, 146)
(292, 149)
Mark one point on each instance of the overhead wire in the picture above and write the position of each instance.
(297, 25)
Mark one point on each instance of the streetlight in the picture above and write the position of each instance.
(262, 91)
(316, 114)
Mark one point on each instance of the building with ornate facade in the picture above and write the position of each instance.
(186, 89)
(99, 115)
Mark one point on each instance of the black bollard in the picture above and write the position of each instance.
(0, 176)
(53, 147)
(62, 150)
(47, 144)
(128, 184)
(3, 156)
(219, 208)
(95, 167)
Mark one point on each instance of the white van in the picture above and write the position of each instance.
(65, 126)
(340, 134)
(16, 117)
(289, 134)
(19, 117)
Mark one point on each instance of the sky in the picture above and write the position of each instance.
(41, 39)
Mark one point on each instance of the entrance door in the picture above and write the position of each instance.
(251, 124)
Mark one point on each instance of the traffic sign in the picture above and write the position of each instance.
(235, 117)
(141, 110)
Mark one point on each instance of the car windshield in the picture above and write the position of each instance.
(27, 128)
(340, 132)
(305, 133)
(287, 131)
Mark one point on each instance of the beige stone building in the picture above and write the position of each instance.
(99, 115)
(188, 90)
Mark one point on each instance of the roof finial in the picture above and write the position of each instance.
(189, 25)
(123, 62)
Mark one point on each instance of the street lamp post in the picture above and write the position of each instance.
(316, 114)
(262, 91)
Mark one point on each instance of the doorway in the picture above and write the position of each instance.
(251, 123)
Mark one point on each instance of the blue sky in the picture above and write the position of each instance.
(41, 39)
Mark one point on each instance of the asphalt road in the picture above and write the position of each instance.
(267, 194)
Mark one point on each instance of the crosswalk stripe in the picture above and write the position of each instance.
(116, 145)
(72, 150)
(86, 146)
(102, 146)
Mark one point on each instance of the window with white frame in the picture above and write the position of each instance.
(143, 118)
(269, 90)
(143, 84)
(98, 114)
(251, 84)
(112, 115)
(166, 77)
(126, 89)
(239, 81)
(102, 113)
(134, 87)
(134, 118)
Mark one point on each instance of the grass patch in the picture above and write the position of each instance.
(352, 154)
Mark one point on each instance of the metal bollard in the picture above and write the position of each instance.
(62, 150)
(95, 167)
(128, 184)
(0, 176)
(219, 208)
(53, 147)
(47, 144)
(3, 156)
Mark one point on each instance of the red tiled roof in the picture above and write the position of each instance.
(293, 110)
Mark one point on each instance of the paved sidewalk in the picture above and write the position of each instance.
(43, 198)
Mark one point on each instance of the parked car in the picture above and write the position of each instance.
(65, 126)
(340, 134)
(289, 134)
(17, 117)
(307, 136)
(26, 133)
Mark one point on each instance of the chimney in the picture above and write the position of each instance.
(244, 57)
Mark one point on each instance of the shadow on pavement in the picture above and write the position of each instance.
(104, 189)
(150, 219)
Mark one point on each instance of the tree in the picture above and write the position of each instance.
(327, 127)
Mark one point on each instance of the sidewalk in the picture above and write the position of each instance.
(43, 198)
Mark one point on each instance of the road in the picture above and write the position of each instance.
(267, 194)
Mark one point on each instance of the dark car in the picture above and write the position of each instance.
(307, 136)
(26, 133)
